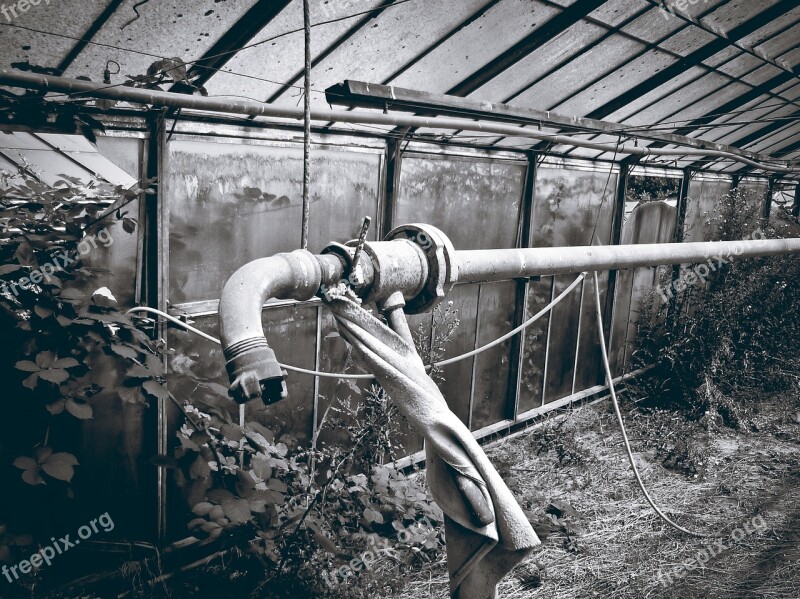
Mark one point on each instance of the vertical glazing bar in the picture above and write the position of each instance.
(625, 168)
(680, 226)
(475, 359)
(524, 240)
(547, 342)
(767, 207)
(796, 207)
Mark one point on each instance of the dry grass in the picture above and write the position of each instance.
(615, 546)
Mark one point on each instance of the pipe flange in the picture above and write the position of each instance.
(442, 264)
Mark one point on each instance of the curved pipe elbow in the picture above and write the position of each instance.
(252, 367)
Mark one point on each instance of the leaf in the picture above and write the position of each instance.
(237, 510)
(58, 470)
(63, 458)
(203, 509)
(25, 463)
(56, 375)
(7, 269)
(137, 371)
(57, 407)
(42, 312)
(129, 225)
(124, 351)
(156, 389)
(42, 454)
(199, 469)
(66, 363)
(371, 516)
(45, 359)
(261, 469)
(32, 477)
(104, 298)
(81, 411)
(231, 432)
(27, 366)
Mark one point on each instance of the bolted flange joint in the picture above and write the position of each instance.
(441, 260)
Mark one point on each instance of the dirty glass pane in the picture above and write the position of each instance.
(571, 208)
(700, 205)
(113, 261)
(475, 202)
(535, 345)
(490, 395)
(458, 376)
(231, 204)
(652, 222)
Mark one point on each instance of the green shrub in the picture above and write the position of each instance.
(715, 346)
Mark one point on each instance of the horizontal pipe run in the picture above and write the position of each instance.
(24, 79)
(477, 266)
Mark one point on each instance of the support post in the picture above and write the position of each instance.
(680, 225)
(767, 207)
(796, 207)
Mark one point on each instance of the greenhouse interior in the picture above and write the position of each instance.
(400, 298)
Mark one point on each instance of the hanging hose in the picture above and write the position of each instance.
(613, 392)
(333, 375)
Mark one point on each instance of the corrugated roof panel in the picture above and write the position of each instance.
(66, 17)
(179, 28)
(555, 88)
(464, 53)
(522, 74)
(782, 43)
(281, 59)
(388, 43)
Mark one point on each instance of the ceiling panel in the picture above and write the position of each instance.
(66, 17)
(464, 53)
(182, 29)
(279, 60)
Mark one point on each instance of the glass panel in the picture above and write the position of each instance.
(475, 202)
(125, 152)
(700, 204)
(457, 385)
(571, 208)
(336, 356)
(251, 198)
(535, 347)
(652, 222)
(490, 395)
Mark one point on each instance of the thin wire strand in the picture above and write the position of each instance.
(334, 375)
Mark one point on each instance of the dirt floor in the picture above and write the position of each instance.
(601, 539)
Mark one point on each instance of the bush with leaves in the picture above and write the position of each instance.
(63, 347)
(714, 348)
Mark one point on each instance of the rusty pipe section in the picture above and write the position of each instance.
(253, 369)
(252, 366)
(416, 265)
(494, 265)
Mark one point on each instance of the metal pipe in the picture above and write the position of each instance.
(417, 268)
(476, 266)
(252, 366)
(14, 78)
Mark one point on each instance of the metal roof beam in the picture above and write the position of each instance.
(368, 95)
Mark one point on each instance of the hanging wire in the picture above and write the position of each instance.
(306, 125)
